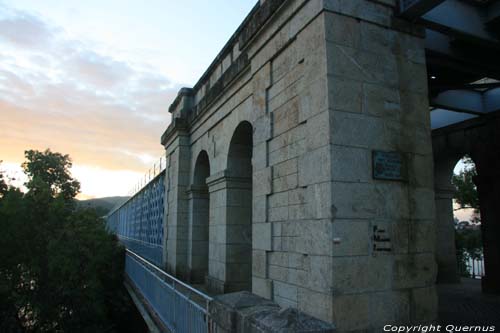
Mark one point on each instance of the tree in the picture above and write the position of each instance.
(48, 171)
(3, 183)
(468, 243)
(60, 270)
(466, 192)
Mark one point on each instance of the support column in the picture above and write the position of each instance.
(230, 233)
(488, 187)
(198, 233)
(176, 226)
(446, 255)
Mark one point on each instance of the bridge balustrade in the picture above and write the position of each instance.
(138, 222)
(178, 306)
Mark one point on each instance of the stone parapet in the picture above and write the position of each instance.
(245, 312)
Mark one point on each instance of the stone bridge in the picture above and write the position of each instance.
(300, 167)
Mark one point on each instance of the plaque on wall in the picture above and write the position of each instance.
(388, 165)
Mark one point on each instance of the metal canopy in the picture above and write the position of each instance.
(463, 56)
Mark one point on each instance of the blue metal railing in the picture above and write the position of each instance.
(180, 307)
(138, 221)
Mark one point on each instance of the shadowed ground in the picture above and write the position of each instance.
(465, 304)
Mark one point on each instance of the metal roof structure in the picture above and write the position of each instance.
(463, 56)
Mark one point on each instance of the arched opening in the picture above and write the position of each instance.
(239, 210)
(458, 242)
(467, 220)
(199, 220)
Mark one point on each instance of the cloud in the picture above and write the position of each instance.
(64, 94)
(25, 30)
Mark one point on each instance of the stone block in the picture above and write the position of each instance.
(316, 304)
(382, 101)
(299, 261)
(318, 131)
(361, 274)
(284, 302)
(351, 237)
(278, 273)
(286, 116)
(345, 94)
(278, 214)
(297, 196)
(262, 236)
(343, 30)
(413, 76)
(289, 320)
(352, 312)
(351, 164)
(259, 263)
(285, 290)
(298, 277)
(390, 308)
(349, 129)
(422, 236)
(285, 168)
(424, 305)
(313, 237)
(313, 99)
(262, 287)
(262, 182)
(263, 129)
(314, 166)
(422, 203)
(358, 65)
(279, 199)
(259, 209)
(285, 183)
(260, 156)
(298, 212)
(399, 233)
(321, 272)
(414, 270)
(395, 199)
(356, 200)
(377, 39)
(420, 170)
(278, 258)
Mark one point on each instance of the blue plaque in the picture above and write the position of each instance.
(388, 166)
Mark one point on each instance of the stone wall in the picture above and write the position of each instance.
(378, 102)
(323, 85)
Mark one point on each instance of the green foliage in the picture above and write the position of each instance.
(3, 183)
(466, 192)
(60, 270)
(468, 245)
(48, 171)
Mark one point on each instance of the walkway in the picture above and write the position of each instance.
(464, 304)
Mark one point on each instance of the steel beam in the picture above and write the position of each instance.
(414, 9)
(469, 59)
(462, 19)
(468, 101)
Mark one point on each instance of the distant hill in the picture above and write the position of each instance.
(102, 205)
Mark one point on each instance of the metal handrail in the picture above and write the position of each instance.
(138, 241)
(165, 274)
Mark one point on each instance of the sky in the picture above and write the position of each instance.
(94, 79)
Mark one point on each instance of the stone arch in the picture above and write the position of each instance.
(239, 209)
(475, 138)
(198, 231)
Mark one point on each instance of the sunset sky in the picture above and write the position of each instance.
(94, 79)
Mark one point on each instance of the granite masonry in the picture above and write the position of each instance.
(300, 166)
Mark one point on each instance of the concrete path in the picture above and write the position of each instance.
(465, 304)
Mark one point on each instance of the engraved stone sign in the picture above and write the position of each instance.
(388, 165)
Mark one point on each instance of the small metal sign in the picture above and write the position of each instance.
(388, 166)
